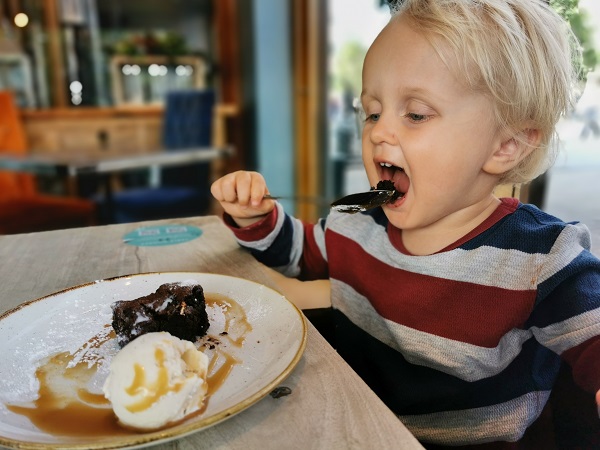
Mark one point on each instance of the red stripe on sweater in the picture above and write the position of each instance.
(255, 232)
(585, 363)
(313, 266)
(462, 311)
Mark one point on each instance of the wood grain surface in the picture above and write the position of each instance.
(330, 406)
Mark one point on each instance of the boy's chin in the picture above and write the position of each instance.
(394, 216)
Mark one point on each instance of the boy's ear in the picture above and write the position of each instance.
(512, 150)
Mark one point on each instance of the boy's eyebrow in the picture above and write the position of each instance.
(404, 91)
(407, 92)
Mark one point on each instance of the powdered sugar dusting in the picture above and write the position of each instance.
(164, 304)
(141, 317)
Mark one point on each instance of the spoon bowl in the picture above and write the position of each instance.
(362, 201)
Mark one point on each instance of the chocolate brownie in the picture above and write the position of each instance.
(388, 185)
(177, 308)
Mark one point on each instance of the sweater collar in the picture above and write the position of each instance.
(507, 206)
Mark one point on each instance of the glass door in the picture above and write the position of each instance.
(353, 26)
(572, 185)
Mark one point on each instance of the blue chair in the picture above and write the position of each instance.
(183, 191)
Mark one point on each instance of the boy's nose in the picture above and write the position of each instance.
(383, 131)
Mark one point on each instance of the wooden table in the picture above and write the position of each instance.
(69, 167)
(330, 408)
(74, 165)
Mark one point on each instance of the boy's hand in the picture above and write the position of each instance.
(241, 196)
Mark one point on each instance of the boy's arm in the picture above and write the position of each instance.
(566, 316)
(303, 294)
(282, 242)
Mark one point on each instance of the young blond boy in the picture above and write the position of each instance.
(456, 307)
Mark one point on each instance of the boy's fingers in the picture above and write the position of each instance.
(228, 190)
(241, 187)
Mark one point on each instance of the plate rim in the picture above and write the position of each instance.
(183, 429)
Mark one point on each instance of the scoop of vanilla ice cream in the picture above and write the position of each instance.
(155, 379)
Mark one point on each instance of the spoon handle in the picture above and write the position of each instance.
(297, 198)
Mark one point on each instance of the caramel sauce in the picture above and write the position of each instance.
(65, 406)
(91, 398)
(152, 391)
(218, 376)
(62, 408)
(237, 325)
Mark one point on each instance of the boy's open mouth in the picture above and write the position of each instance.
(393, 178)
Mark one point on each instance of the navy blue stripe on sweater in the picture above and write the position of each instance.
(411, 389)
(521, 230)
(278, 254)
(579, 289)
(378, 216)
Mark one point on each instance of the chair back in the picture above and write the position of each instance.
(13, 141)
(188, 124)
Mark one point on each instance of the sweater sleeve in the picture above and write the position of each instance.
(566, 318)
(286, 244)
(584, 359)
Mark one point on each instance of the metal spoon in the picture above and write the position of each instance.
(362, 201)
(296, 198)
(350, 204)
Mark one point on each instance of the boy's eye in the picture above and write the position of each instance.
(413, 117)
(373, 117)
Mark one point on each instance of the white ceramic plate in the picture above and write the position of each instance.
(69, 320)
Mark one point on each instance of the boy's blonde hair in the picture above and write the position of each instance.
(519, 52)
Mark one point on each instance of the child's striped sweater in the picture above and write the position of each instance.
(464, 345)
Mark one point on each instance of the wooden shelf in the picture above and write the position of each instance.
(92, 112)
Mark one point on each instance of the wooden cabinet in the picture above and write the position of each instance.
(101, 131)
(68, 129)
